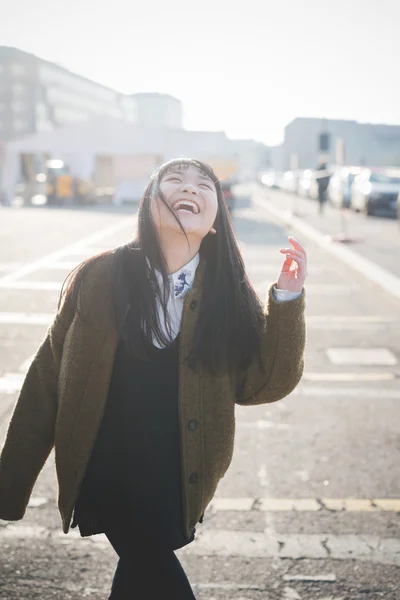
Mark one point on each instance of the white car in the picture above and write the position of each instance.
(305, 182)
(271, 179)
(376, 190)
(340, 184)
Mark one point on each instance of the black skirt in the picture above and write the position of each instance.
(133, 478)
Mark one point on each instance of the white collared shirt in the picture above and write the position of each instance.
(180, 283)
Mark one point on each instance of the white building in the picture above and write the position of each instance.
(114, 153)
(157, 110)
(37, 95)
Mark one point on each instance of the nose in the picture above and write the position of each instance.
(190, 188)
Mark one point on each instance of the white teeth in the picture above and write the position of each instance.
(180, 203)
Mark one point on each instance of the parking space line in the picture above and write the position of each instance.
(361, 393)
(305, 504)
(26, 285)
(63, 265)
(340, 377)
(71, 248)
(10, 318)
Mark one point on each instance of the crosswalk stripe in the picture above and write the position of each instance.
(26, 285)
(345, 377)
(11, 318)
(59, 264)
(363, 393)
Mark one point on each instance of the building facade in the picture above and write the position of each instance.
(37, 95)
(157, 110)
(340, 142)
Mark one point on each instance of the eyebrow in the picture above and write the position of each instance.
(178, 171)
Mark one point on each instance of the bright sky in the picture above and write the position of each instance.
(247, 70)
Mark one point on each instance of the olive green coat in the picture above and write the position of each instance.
(63, 397)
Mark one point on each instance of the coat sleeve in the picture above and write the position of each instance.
(30, 435)
(282, 354)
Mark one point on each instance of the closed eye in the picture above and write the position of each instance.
(207, 186)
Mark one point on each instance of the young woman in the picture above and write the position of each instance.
(136, 381)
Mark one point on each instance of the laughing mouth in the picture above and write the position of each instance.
(186, 206)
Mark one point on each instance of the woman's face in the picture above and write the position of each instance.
(192, 195)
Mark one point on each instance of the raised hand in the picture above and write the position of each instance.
(294, 269)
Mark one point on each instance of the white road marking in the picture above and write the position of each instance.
(268, 504)
(9, 318)
(11, 266)
(327, 577)
(26, 285)
(262, 424)
(377, 393)
(270, 269)
(351, 319)
(288, 504)
(349, 322)
(361, 356)
(55, 256)
(345, 377)
(24, 366)
(234, 504)
(290, 594)
(86, 251)
(11, 383)
(36, 501)
(368, 269)
(329, 289)
(62, 265)
(262, 476)
(269, 529)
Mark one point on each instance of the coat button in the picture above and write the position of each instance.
(194, 478)
(192, 525)
(193, 424)
(193, 304)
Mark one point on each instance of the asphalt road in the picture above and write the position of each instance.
(310, 506)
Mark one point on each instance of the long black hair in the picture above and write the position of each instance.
(230, 319)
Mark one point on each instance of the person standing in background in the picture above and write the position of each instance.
(323, 177)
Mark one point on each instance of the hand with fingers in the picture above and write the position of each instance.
(294, 270)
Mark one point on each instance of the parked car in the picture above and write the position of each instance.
(376, 190)
(290, 181)
(271, 178)
(340, 184)
(227, 194)
(305, 182)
